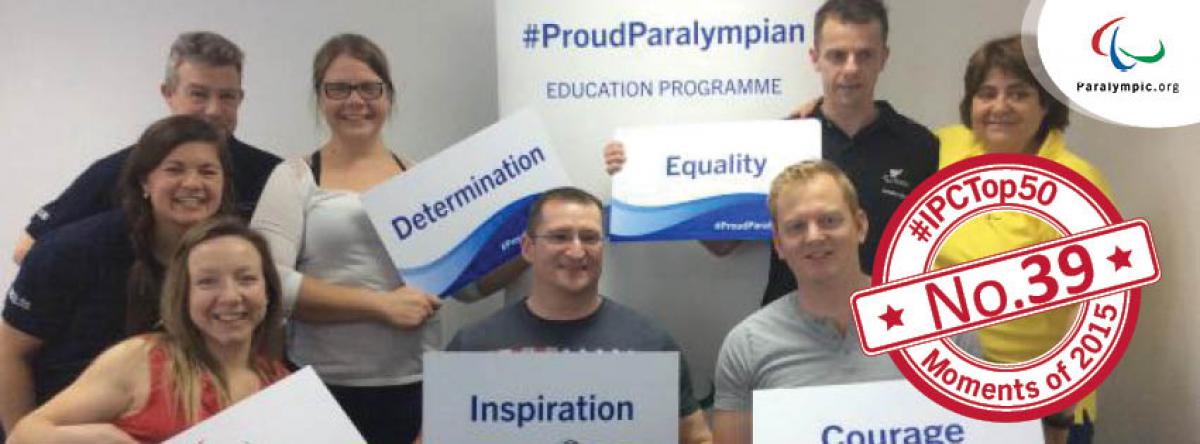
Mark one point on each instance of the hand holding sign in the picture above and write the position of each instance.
(407, 307)
(702, 181)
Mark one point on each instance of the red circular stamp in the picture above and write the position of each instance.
(1098, 265)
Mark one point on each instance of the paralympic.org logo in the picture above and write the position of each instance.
(1113, 48)
(1121, 74)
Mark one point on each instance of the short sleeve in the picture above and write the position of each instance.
(93, 192)
(279, 217)
(455, 343)
(39, 303)
(687, 396)
(734, 374)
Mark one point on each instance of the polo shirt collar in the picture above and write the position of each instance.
(886, 118)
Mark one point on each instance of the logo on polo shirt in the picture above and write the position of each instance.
(894, 185)
(893, 178)
(17, 300)
(1113, 49)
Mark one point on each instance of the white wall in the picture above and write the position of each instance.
(81, 80)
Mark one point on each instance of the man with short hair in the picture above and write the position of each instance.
(203, 78)
(885, 154)
(564, 311)
(807, 337)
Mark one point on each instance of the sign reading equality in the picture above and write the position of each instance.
(552, 397)
(704, 181)
(459, 214)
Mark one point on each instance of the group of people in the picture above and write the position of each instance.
(146, 302)
(824, 212)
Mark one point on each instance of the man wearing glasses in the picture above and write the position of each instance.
(564, 311)
(203, 78)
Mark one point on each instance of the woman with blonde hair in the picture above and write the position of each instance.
(221, 316)
(97, 281)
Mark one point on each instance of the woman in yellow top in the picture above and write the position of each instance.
(1005, 110)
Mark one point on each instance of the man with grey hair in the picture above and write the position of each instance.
(203, 78)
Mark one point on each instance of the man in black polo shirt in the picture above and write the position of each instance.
(203, 78)
(885, 154)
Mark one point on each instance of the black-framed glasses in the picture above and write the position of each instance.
(342, 90)
(586, 238)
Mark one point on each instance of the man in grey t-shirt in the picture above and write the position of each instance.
(806, 337)
(564, 311)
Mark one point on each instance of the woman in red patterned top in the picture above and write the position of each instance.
(219, 343)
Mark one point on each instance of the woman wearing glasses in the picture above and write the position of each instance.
(354, 320)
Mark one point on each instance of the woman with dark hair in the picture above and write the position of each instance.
(221, 315)
(355, 321)
(1005, 110)
(90, 284)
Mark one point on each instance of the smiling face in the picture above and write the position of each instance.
(566, 248)
(185, 188)
(211, 92)
(355, 116)
(849, 57)
(817, 233)
(1006, 113)
(227, 290)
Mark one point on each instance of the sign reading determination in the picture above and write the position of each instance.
(704, 181)
(458, 215)
(553, 397)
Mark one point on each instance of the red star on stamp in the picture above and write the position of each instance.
(1120, 258)
(892, 317)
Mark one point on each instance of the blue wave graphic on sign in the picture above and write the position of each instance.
(480, 252)
(729, 217)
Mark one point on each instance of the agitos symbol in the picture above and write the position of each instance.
(1112, 48)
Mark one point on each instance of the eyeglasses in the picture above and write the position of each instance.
(342, 90)
(587, 238)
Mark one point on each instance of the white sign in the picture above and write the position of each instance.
(458, 215)
(704, 181)
(552, 397)
(297, 409)
(585, 93)
(885, 412)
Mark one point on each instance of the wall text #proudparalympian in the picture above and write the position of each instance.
(477, 186)
(637, 33)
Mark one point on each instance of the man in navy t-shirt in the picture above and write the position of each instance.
(564, 244)
(203, 78)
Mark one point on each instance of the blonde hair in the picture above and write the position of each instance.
(805, 172)
(192, 363)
